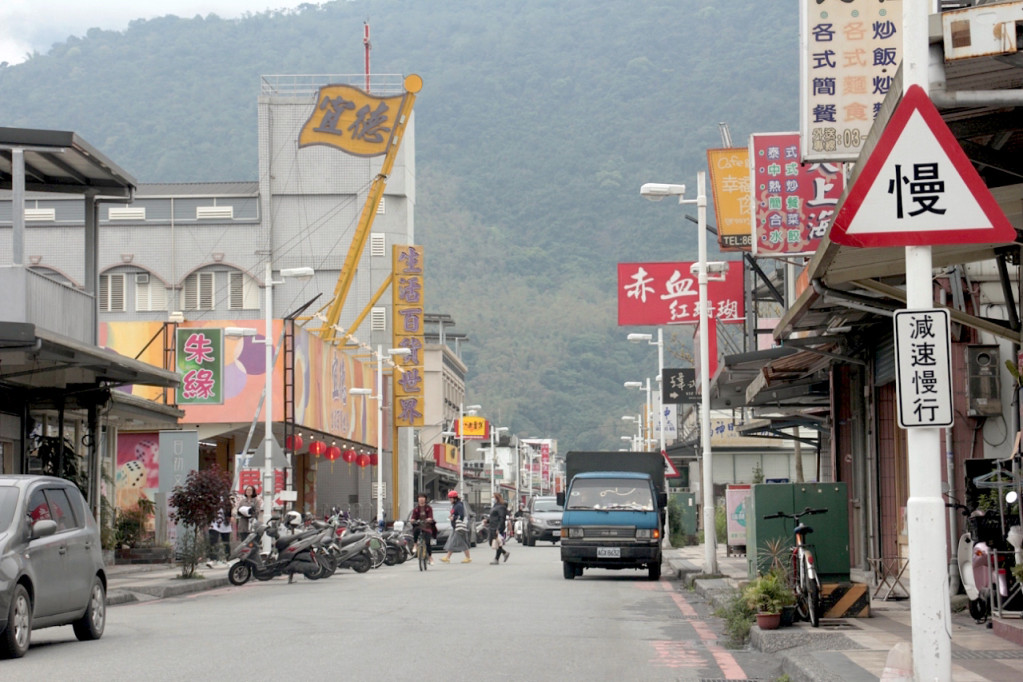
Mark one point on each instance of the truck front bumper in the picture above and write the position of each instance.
(618, 555)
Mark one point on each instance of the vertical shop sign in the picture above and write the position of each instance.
(200, 361)
(729, 183)
(408, 306)
(793, 202)
(849, 53)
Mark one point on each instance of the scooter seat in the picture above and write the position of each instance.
(353, 537)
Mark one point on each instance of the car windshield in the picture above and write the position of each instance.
(610, 494)
(8, 503)
(546, 506)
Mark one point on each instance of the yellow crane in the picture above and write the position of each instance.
(332, 112)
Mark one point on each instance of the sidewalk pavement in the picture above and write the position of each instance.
(127, 583)
(857, 649)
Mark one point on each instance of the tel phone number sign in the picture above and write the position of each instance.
(923, 363)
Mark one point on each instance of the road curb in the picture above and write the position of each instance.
(137, 593)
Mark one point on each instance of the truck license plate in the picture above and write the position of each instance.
(609, 552)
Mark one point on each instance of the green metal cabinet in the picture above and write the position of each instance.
(687, 503)
(830, 537)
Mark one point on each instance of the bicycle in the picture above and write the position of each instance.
(422, 546)
(806, 583)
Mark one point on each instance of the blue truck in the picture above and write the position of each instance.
(614, 512)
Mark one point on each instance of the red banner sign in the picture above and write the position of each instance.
(668, 293)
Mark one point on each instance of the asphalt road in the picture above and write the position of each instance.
(518, 620)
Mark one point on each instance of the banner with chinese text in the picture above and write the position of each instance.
(473, 428)
(200, 361)
(667, 293)
(793, 202)
(351, 120)
(849, 53)
(729, 184)
(407, 325)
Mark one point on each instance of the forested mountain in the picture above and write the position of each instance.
(536, 125)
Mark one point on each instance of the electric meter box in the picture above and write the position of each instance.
(830, 536)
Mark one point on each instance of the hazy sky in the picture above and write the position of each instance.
(27, 25)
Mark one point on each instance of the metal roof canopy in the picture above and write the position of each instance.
(61, 161)
(34, 358)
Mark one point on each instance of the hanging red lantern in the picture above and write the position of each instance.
(348, 456)
(317, 447)
(362, 460)
(373, 459)
(294, 443)
(333, 452)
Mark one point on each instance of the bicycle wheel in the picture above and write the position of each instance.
(813, 602)
(424, 556)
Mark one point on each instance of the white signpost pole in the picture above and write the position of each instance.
(931, 624)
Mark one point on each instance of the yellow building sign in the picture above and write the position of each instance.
(351, 120)
(407, 323)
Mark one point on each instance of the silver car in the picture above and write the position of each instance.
(51, 563)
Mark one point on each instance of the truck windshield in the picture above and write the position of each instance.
(610, 493)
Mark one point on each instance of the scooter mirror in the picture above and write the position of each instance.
(1011, 497)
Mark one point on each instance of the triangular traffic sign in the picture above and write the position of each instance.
(918, 188)
(669, 469)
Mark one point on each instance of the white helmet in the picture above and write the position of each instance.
(246, 512)
(293, 519)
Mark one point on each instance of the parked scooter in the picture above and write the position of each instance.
(350, 549)
(290, 554)
(985, 561)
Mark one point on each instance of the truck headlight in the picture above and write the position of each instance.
(647, 534)
(576, 533)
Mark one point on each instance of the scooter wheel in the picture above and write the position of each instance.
(240, 573)
(361, 563)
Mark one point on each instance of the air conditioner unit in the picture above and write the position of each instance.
(142, 278)
(983, 387)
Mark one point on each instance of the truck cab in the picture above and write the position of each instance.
(612, 519)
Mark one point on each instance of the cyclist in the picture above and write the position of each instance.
(423, 513)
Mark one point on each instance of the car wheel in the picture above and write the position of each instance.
(15, 638)
(655, 571)
(567, 570)
(90, 625)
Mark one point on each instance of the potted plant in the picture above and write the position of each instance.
(767, 595)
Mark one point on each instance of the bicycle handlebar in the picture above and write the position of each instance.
(795, 515)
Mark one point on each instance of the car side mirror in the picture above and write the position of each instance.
(561, 499)
(43, 528)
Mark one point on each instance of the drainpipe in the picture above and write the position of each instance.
(950, 468)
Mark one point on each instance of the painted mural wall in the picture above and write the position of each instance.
(226, 376)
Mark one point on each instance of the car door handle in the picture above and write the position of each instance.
(63, 550)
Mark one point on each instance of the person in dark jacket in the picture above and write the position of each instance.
(496, 521)
(423, 513)
(458, 540)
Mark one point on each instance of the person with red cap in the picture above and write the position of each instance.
(458, 540)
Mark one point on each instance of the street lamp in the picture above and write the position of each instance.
(639, 430)
(649, 420)
(379, 397)
(637, 338)
(493, 455)
(656, 192)
(269, 442)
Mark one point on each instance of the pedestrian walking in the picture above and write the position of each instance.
(458, 540)
(220, 536)
(497, 519)
(248, 499)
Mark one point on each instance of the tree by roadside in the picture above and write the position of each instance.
(195, 506)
